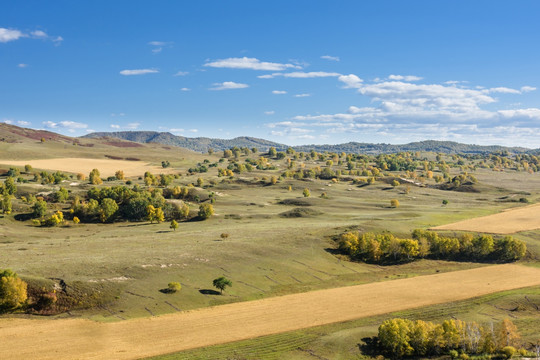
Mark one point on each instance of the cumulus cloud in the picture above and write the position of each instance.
(69, 126)
(351, 81)
(249, 63)
(229, 85)
(300, 75)
(138, 72)
(279, 92)
(115, 126)
(331, 58)
(7, 35)
(503, 90)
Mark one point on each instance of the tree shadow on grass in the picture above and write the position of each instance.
(209, 292)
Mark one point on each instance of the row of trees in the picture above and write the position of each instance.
(401, 337)
(387, 248)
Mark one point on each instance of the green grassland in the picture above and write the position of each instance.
(279, 243)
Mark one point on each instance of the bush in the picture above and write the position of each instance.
(394, 203)
(508, 351)
(206, 211)
(174, 286)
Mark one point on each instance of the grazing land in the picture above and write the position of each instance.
(274, 233)
(146, 337)
(506, 222)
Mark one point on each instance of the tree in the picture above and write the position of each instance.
(76, 220)
(27, 168)
(61, 195)
(119, 175)
(94, 177)
(107, 209)
(394, 203)
(200, 182)
(507, 334)
(5, 204)
(174, 225)
(393, 337)
(9, 186)
(205, 211)
(39, 209)
(306, 192)
(395, 183)
(154, 214)
(272, 151)
(13, 291)
(221, 283)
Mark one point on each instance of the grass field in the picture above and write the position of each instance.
(144, 337)
(278, 243)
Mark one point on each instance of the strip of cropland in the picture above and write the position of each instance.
(139, 338)
(506, 222)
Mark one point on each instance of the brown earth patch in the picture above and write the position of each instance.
(139, 338)
(106, 167)
(506, 222)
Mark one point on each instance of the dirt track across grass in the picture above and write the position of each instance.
(106, 167)
(139, 338)
(506, 222)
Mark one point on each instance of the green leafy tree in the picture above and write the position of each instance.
(107, 209)
(174, 286)
(394, 339)
(221, 283)
(9, 186)
(306, 192)
(13, 291)
(5, 204)
(39, 209)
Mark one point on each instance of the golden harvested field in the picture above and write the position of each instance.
(506, 222)
(132, 339)
(106, 167)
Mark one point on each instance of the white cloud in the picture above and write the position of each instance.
(301, 75)
(7, 121)
(331, 58)
(249, 63)
(193, 130)
(157, 50)
(229, 85)
(71, 126)
(527, 89)
(115, 126)
(302, 95)
(271, 112)
(351, 81)
(530, 113)
(503, 90)
(176, 131)
(23, 123)
(7, 35)
(138, 72)
(185, 89)
(157, 43)
(22, 66)
(181, 73)
(39, 34)
(278, 92)
(405, 78)
(118, 114)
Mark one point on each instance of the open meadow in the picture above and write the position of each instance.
(267, 235)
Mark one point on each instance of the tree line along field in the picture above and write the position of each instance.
(276, 240)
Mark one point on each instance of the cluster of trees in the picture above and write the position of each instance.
(13, 291)
(7, 191)
(387, 248)
(401, 337)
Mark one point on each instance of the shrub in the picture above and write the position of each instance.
(508, 351)
(174, 286)
(13, 291)
(206, 211)
(224, 236)
(306, 192)
(394, 203)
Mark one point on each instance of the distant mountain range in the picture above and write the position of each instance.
(202, 144)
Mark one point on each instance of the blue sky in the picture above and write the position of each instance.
(295, 72)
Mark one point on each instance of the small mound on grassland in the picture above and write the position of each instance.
(295, 202)
(300, 212)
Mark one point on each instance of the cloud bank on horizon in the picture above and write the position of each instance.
(339, 88)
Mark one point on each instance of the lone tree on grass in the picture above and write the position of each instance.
(205, 211)
(174, 225)
(221, 283)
